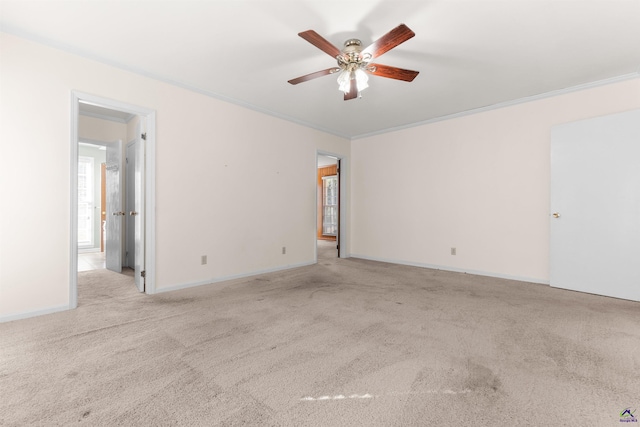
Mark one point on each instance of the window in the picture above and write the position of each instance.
(85, 201)
(330, 205)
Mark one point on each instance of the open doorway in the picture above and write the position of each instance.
(328, 206)
(105, 228)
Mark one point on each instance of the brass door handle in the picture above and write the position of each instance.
(133, 213)
(556, 214)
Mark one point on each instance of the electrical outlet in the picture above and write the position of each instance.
(203, 259)
(284, 250)
(453, 251)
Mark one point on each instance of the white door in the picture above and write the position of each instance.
(113, 228)
(595, 206)
(139, 205)
(130, 163)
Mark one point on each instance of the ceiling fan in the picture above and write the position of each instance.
(354, 62)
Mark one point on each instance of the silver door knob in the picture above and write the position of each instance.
(556, 214)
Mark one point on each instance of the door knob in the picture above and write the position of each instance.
(556, 214)
(119, 213)
(133, 213)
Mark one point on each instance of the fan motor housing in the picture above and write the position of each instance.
(352, 53)
(352, 42)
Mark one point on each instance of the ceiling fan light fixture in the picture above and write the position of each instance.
(347, 74)
(344, 80)
(362, 79)
(352, 62)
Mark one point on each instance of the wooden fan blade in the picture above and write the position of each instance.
(320, 42)
(353, 91)
(393, 38)
(392, 72)
(315, 75)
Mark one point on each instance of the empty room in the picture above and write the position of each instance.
(319, 213)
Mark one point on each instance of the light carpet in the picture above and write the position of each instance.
(345, 342)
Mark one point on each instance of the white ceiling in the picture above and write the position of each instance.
(326, 161)
(471, 54)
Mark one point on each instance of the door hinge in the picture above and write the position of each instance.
(143, 273)
(144, 136)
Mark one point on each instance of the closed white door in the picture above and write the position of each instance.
(115, 215)
(595, 206)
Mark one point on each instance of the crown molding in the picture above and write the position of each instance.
(505, 104)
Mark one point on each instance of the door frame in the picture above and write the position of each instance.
(149, 193)
(341, 237)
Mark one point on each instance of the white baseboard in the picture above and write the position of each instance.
(232, 277)
(27, 314)
(453, 269)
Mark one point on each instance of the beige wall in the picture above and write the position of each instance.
(132, 127)
(101, 130)
(231, 183)
(479, 183)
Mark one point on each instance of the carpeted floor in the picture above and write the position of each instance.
(345, 342)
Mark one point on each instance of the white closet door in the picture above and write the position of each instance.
(595, 206)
